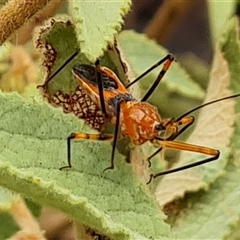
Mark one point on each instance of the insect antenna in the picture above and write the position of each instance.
(206, 104)
(169, 143)
(188, 125)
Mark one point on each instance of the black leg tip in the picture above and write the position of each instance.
(97, 62)
(149, 162)
(108, 168)
(65, 167)
(71, 136)
(151, 176)
(40, 86)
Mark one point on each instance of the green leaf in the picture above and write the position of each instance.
(9, 208)
(61, 91)
(7, 198)
(219, 14)
(4, 53)
(218, 114)
(213, 214)
(97, 22)
(141, 54)
(57, 41)
(33, 147)
(7, 225)
(217, 209)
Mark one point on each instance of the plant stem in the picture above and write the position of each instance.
(15, 13)
(166, 18)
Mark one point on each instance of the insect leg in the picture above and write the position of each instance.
(186, 147)
(115, 138)
(169, 56)
(100, 88)
(187, 122)
(159, 78)
(82, 136)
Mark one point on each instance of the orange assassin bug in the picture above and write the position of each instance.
(137, 119)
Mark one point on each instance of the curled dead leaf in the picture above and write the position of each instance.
(213, 129)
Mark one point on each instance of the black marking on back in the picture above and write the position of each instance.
(126, 97)
(87, 73)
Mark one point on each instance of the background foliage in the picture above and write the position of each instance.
(199, 203)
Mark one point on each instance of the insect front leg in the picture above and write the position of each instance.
(166, 66)
(173, 126)
(185, 147)
(167, 62)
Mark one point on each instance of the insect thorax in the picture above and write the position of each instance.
(139, 121)
(118, 99)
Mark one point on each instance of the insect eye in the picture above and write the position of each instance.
(160, 127)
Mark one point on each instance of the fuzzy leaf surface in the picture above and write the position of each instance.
(213, 214)
(33, 147)
(97, 22)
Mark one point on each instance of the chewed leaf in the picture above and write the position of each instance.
(113, 203)
(57, 41)
(97, 22)
(206, 133)
(63, 91)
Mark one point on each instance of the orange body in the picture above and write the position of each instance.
(138, 120)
